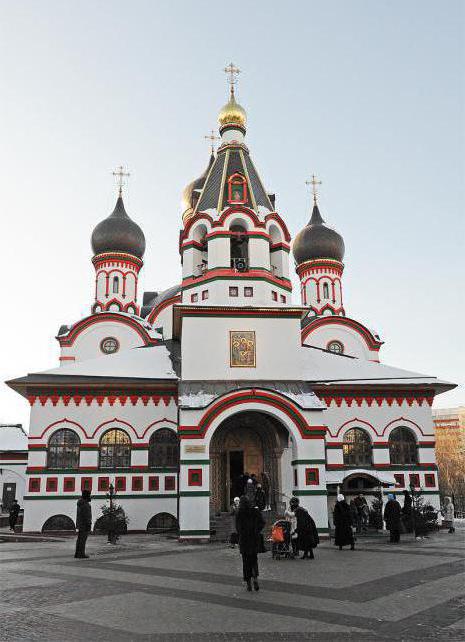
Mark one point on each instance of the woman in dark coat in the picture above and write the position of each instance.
(307, 534)
(343, 524)
(392, 512)
(249, 525)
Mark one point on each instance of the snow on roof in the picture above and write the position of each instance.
(12, 438)
(141, 363)
(322, 366)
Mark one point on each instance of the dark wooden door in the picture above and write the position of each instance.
(9, 494)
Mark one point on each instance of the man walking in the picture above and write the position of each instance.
(83, 524)
(13, 515)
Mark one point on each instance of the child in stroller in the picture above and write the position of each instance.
(281, 539)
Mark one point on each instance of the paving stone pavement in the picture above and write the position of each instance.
(149, 589)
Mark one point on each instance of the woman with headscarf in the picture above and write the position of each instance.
(249, 525)
(233, 538)
(307, 534)
(392, 512)
(343, 524)
(449, 513)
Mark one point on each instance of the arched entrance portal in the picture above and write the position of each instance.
(247, 442)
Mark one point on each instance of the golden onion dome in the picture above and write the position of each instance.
(232, 113)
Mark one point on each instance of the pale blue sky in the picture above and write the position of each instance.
(368, 95)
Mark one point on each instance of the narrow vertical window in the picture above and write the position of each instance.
(325, 291)
(115, 285)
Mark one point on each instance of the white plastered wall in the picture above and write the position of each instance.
(354, 344)
(87, 343)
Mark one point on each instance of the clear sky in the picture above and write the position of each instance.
(368, 95)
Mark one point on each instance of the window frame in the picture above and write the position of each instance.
(66, 455)
(356, 460)
(114, 455)
(234, 180)
(403, 452)
(168, 457)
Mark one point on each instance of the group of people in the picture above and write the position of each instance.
(249, 524)
(257, 492)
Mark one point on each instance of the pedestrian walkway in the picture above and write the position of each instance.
(150, 589)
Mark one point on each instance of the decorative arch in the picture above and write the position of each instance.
(274, 216)
(162, 523)
(402, 421)
(67, 423)
(161, 306)
(274, 404)
(367, 336)
(170, 424)
(197, 217)
(239, 209)
(69, 339)
(237, 189)
(114, 423)
(355, 423)
(58, 523)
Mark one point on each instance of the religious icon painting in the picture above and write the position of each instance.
(242, 348)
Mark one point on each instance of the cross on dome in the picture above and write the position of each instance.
(212, 138)
(232, 71)
(120, 175)
(314, 182)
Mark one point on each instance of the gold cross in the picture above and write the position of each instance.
(212, 138)
(232, 71)
(120, 174)
(314, 182)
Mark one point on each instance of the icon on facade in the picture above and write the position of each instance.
(242, 348)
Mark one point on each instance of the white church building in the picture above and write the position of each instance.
(174, 397)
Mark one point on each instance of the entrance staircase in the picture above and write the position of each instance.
(221, 525)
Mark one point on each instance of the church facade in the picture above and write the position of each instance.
(174, 397)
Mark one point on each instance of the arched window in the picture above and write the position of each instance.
(276, 252)
(115, 449)
(402, 446)
(115, 285)
(357, 448)
(164, 449)
(58, 523)
(239, 248)
(237, 189)
(63, 449)
(325, 291)
(200, 250)
(162, 523)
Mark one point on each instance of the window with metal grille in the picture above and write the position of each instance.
(164, 449)
(63, 449)
(357, 448)
(402, 446)
(115, 449)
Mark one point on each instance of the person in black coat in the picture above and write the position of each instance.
(13, 514)
(343, 524)
(83, 524)
(392, 513)
(307, 534)
(249, 525)
(260, 499)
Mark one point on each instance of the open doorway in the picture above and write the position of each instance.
(236, 472)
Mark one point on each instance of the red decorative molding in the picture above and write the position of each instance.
(367, 336)
(100, 317)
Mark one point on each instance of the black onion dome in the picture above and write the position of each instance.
(317, 241)
(191, 192)
(118, 233)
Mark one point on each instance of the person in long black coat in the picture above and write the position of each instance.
(83, 524)
(392, 514)
(343, 524)
(14, 514)
(249, 525)
(307, 534)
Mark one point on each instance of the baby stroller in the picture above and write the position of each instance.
(281, 539)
